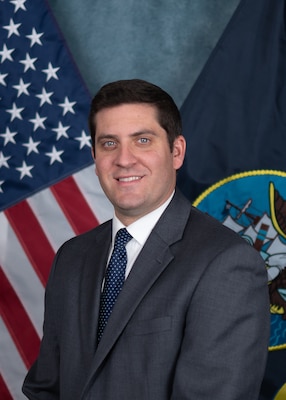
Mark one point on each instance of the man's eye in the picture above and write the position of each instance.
(144, 140)
(109, 143)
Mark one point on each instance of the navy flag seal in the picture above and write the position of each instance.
(253, 204)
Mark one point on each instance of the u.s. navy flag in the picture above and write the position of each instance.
(234, 120)
(48, 189)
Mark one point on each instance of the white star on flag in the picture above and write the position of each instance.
(12, 28)
(22, 87)
(15, 112)
(32, 146)
(84, 140)
(25, 170)
(6, 53)
(38, 122)
(35, 38)
(29, 63)
(67, 106)
(2, 77)
(8, 136)
(61, 131)
(3, 160)
(19, 4)
(51, 72)
(55, 155)
(45, 97)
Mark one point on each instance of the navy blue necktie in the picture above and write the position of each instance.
(114, 279)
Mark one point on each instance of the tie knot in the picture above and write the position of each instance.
(122, 238)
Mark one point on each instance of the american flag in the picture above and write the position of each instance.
(48, 188)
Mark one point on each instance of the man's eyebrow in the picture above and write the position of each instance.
(143, 132)
(104, 136)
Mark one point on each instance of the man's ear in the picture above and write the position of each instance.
(179, 150)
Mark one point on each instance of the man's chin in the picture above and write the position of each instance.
(130, 209)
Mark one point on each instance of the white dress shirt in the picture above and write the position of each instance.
(140, 230)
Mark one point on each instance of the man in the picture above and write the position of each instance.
(191, 320)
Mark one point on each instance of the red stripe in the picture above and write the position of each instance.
(18, 322)
(32, 238)
(74, 205)
(4, 391)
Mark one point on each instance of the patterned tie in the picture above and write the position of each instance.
(114, 279)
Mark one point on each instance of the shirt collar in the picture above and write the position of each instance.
(141, 229)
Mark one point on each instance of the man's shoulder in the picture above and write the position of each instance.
(181, 208)
(84, 240)
(210, 228)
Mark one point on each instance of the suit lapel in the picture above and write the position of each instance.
(151, 262)
(92, 275)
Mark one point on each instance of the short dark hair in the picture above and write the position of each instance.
(136, 91)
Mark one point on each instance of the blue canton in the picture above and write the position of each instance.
(44, 104)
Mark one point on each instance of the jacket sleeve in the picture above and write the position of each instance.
(225, 344)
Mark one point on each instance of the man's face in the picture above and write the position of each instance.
(134, 164)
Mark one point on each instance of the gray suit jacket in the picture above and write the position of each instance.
(191, 322)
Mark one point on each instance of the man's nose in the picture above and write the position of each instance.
(125, 156)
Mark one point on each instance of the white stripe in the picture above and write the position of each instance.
(13, 369)
(89, 185)
(51, 218)
(21, 274)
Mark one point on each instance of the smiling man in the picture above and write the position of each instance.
(134, 163)
(162, 302)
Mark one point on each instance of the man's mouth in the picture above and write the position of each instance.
(129, 179)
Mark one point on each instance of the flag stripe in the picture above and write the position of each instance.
(88, 183)
(32, 238)
(50, 215)
(21, 274)
(21, 329)
(74, 205)
(4, 392)
(13, 369)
